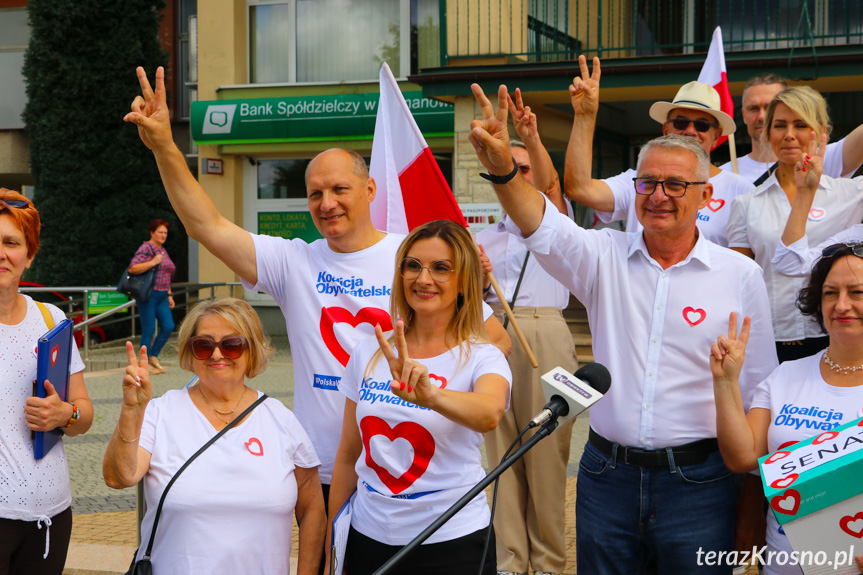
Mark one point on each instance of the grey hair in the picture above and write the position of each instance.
(360, 168)
(517, 144)
(688, 144)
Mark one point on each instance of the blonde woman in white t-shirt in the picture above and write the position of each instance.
(417, 405)
(35, 496)
(232, 509)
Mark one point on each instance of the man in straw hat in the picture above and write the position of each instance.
(694, 112)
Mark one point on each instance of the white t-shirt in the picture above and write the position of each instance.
(331, 301)
(711, 219)
(29, 488)
(757, 221)
(231, 510)
(801, 405)
(415, 462)
(833, 163)
(797, 259)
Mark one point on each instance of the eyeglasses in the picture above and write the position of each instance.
(440, 271)
(20, 204)
(701, 126)
(232, 346)
(672, 188)
(856, 249)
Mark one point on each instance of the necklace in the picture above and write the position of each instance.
(201, 389)
(838, 368)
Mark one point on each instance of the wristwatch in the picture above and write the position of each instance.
(76, 413)
(501, 179)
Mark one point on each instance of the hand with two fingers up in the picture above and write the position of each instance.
(410, 378)
(490, 136)
(137, 389)
(584, 90)
(150, 112)
(728, 352)
(808, 169)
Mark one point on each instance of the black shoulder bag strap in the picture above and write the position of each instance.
(242, 416)
(765, 175)
(517, 286)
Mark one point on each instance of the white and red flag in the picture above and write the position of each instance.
(713, 72)
(411, 190)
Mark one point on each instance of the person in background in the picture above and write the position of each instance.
(254, 479)
(832, 379)
(437, 384)
(158, 308)
(35, 495)
(529, 520)
(758, 218)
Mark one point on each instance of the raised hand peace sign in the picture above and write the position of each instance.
(410, 378)
(150, 112)
(137, 389)
(807, 170)
(727, 354)
(584, 90)
(489, 136)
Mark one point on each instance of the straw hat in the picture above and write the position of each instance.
(695, 96)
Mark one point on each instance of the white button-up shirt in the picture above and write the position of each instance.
(757, 221)
(797, 259)
(653, 328)
(507, 252)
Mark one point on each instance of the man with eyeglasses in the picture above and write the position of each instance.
(695, 112)
(332, 291)
(529, 523)
(652, 488)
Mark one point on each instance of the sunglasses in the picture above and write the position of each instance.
(856, 249)
(700, 125)
(232, 346)
(20, 204)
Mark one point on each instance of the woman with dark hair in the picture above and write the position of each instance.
(417, 406)
(831, 379)
(158, 308)
(35, 496)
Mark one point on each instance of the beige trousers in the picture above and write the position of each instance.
(529, 519)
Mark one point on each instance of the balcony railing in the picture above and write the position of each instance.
(509, 31)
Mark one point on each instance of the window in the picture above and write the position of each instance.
(14, 37)
(337, 40)
(282, 179)
(187, 56)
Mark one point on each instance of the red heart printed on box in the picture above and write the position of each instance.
(786, 503)
(254, 446)
(852, 525)
(54, 353)
(860, 423)
(715, 204)
(333, 315)
(826, 436)
(694, 316)
(415, 434)
(438, 380)
(785, 481)
(776, 457)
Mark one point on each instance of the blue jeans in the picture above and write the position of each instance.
(156, 308)
(635, 520)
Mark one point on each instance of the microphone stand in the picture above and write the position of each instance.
(543, 432)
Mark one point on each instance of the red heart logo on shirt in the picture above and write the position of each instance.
(333, 315)
(254, 446)
(694, 316)
(776, 457)
(786, 503)
(419, 438)
(715, 204)
(438, 380)
(54, 353)
(860, 423)
(852, 525)
(816, 214)
(826, 436)
(785, 481)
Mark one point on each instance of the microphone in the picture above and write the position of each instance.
(568, 396)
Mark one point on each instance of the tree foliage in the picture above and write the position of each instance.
(96, 185)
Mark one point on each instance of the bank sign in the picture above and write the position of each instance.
(307, 118)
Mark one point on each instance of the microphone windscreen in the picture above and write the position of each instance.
(596, 376)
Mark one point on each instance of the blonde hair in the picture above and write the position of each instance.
(241, 317)
(807, 103)
(467, 323)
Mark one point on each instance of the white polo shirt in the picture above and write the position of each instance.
(653, 327)
(757, 221)
(797, 259)
(711, 219)
(833, 161)
(507, 252)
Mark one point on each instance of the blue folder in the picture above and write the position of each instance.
(53, 359)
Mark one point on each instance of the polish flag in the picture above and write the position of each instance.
(713, 72)
(411, 189)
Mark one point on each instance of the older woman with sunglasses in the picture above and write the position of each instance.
(831, 379)
(35, 496)
(417, 406)
(232, 509)
(797, 127)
